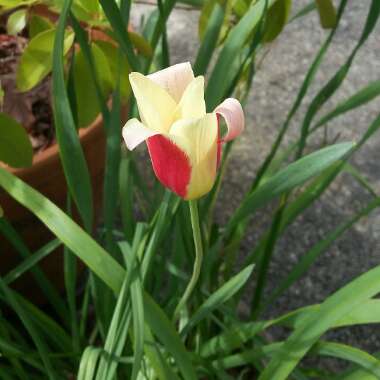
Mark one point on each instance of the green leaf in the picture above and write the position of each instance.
(16, 22)
(220, 296)
(163, 329)
(36, 61)
(114, 17)
(309, 257)
(30, 261)
(112, 55)
(15, 147)
(331, 310)
(71, 153)
(210, 39)
(277, 18)
(218, 85)
(88, 107)
(73, 236)
(286, 179)
(38, 24)
(361, 97)
(327, 13)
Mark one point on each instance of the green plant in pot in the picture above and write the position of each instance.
(28, 139)
(165, 294)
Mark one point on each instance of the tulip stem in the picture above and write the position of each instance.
(198, 258)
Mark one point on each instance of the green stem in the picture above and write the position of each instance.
(198, 258)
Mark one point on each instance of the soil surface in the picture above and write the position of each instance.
(273, 92)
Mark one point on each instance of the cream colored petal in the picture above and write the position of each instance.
(198, 138)
(192, 104)
(232, 112)
(174, 79)
(134, 133)
(155, 105)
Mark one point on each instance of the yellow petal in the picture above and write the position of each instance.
(155, 105)
(192, 104)
(174, 79)
(198, 139)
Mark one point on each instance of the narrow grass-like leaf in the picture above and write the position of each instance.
(31, 261)
(310, 75)
(309, 258)
(363, 96)
(334, 83)
(73, 236)
(209, 41)
(43, 282)
(163, 329)
(348, 353)
(120, 29)
(286, 179)
(220, 296)
(73, 161)
(40, 344)
(331, 310)
(235, 41)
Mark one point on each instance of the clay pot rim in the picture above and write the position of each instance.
(52, 151)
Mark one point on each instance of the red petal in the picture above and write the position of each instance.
(170, 164)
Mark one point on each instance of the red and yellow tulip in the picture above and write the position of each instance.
(182, 138)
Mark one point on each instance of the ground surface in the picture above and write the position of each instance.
(273, 92)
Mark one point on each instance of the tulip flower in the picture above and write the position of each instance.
(183, 140)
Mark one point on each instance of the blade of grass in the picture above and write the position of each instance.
(288, 178)
(116, 20)
(309, 258)
(73, 161)
(210, 40)
(43, 282)
(73, 236)
(31, 261)
(37, 340)
(220, 296)
(234, 43)
(334, 83)
(331, 310)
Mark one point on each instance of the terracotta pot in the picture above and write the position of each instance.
(46, 175)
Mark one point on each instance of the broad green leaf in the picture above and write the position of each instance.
(286, 179)
(73, 236)
(10, 4)
(38, 24)
(88, 107)
(276, 19)
(15, 147)
(36, 60)
(71, 153)
(327, 13)
(16, 22)
(220, 296)
(141, 44)
(112, 55)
